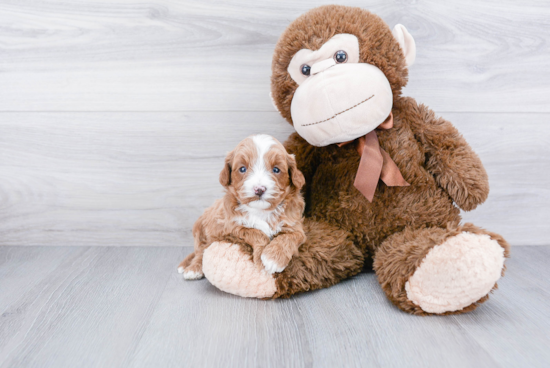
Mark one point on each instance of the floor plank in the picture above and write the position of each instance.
(123, 55)
(22, 269)
(144, 178)
(89, 311)
(507, 329)
(127, 307)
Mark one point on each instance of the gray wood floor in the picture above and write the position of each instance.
(127, 307)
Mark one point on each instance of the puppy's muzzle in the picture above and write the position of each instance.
(259, 191)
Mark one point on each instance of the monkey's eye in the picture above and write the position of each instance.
(242, 169)
(306, 69)
(276, 170)
(341, 57)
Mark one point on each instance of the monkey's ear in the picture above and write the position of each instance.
(406, 42)
(225, 174)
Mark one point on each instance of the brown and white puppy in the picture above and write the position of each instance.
(262, 206)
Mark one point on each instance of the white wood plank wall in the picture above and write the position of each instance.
(115, 115)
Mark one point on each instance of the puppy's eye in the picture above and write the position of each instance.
(306, 69)
(242, 169)
(341, 57)
(276, 170)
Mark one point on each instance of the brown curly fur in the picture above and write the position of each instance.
(327, 257)
(401, 224)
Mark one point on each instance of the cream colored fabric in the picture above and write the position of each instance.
(341, 103)
(228, 269)
(340, 42)
(337, 102)
(406, 42)
(321, 66)
(456, 273)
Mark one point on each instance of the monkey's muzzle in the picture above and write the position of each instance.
(342, 102)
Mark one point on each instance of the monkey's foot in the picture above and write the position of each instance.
(456, 273)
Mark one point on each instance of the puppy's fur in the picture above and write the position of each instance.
(262, 207)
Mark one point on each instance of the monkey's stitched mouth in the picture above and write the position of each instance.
(341, 112)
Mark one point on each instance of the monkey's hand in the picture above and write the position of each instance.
(449, 158)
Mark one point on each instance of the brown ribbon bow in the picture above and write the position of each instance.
(375, 163)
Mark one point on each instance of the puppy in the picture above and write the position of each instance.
(262, 207)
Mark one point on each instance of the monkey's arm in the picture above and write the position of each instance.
(307, 159)
(449, 158)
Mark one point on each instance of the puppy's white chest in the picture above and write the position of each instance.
(258, 224)
(261, 220)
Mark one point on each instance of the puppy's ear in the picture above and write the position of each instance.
(225, 174)
(296, 177)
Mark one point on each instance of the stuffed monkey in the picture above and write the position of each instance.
(385, 177)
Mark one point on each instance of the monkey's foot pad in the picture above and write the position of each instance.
(228, 269)
(456, 273)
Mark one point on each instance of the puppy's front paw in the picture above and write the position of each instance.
(271, 265)
(273, 259)
(193, 275)
(192, 272)
(256, 238)
(263, 241)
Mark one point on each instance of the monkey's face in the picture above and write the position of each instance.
(336, 71)
(338, 98)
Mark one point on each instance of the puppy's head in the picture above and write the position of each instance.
(260, 173)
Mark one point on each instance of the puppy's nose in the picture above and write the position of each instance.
(259, 191)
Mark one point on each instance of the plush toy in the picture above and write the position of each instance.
(385, 177)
